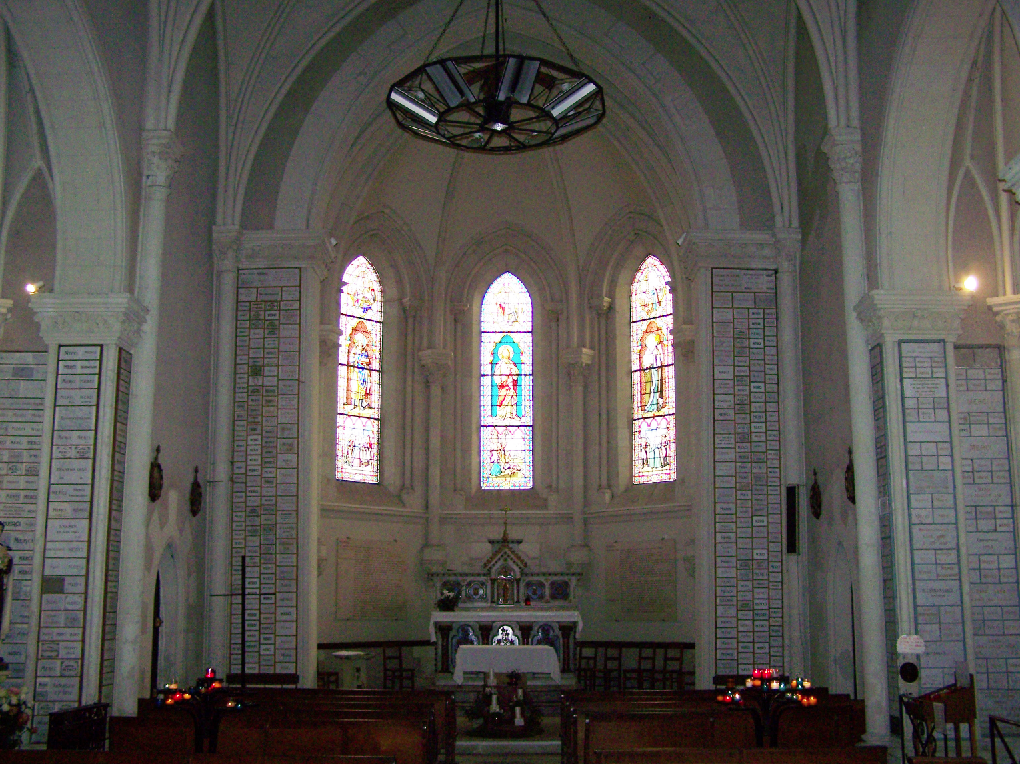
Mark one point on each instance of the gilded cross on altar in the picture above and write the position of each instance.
(506, 518)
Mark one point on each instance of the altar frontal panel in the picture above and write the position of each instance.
(747, 471)
(264, 548)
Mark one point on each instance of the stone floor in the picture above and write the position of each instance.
(541, 749)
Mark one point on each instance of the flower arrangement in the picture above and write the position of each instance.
(15, 715)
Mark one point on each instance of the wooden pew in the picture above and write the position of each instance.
(574, 704)
(872, 754)
(409, 740)
(833, 724)
(170, 732)
(444, 707)
(57, 756)
(689, 728)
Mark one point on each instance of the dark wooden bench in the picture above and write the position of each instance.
(574, 704)
(408, 740)
(442, 703)
(172, 731)
(871, 754)
(688, 728)
(831, 724)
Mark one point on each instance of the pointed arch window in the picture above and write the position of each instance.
(507, 453)
(359, 375)
(653, 381)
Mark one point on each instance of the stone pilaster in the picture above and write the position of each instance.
(74, 619)
(920, 486)
(578, 363)
(437, 364)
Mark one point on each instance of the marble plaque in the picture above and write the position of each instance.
(370, 580)
(641, 580)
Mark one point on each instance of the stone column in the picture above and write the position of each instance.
(75, 651)
(843, 146)
(578, 361)
(791, 389)
(226, 252)
(437, 364)
(161, 157)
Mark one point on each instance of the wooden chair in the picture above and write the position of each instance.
(396, 676)
(327, 680)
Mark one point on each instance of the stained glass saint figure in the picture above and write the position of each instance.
(652, 372)
(358, 374)
(506, 385)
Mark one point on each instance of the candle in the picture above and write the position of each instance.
(807, 684)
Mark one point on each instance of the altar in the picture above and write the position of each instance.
(503, 659)
(505, 602)
(511, 626)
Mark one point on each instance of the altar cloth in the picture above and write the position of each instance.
(537, 659)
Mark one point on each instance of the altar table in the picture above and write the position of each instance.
(538, 659)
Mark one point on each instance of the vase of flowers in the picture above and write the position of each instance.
(15, 715)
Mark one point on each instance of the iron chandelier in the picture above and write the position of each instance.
(498, 103)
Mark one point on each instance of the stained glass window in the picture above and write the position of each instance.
(506, 392)
(358, 374)
(653, 382)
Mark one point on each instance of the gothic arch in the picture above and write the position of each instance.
(615, 251)
(388, 242)
(913, 181)
(508, 247)
(86, 155)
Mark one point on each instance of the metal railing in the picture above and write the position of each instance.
(995, 724)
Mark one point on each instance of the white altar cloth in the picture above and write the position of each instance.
(516, 615)
(538, 659)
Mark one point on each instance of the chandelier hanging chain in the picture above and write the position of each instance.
(559, 39)
(485, 28)
(442, 33)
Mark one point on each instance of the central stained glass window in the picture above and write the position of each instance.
(653, 381)
(358, 379)
(507, 452)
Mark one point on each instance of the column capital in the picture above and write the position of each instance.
(437, 364)
(226, 247)
(303, 248)
(843, 147)
(329, 339)
(5, 314)
(911, 315)
(108, 319)
(788, 242)
(161, 156)
(601, 305)
(1011, 176)
(1007, 313)
(578, 361)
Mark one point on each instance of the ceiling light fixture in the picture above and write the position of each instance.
(498, 103)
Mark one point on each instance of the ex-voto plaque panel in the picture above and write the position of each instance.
(68, 526)
(22, 396)
(931, 489)
(748, 477)
(264, 515)
(991, 529)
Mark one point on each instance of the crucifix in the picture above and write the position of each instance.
(506, 517)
